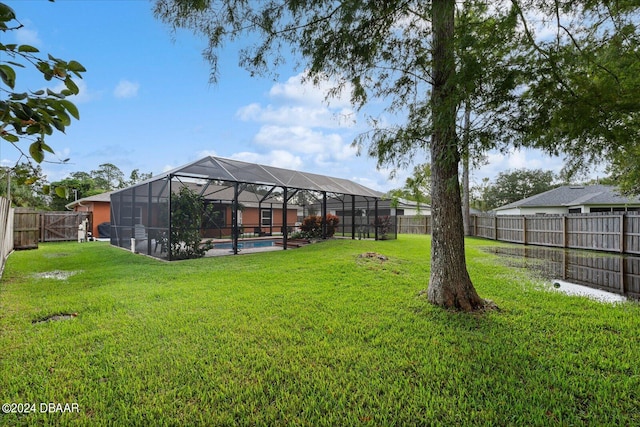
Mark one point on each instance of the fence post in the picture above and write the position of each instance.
(42, 222)
(623, 286)
(495, 227)
(564, 231)
(622, 230)
(475, 225)
(524, 229)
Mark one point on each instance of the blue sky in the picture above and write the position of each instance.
(146, 102)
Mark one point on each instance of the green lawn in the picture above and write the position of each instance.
(312, 336)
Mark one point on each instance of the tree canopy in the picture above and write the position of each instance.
(581, 95)
(24, 184)
(417, 187)
(80, 184)
(27, 115)
(514, 185)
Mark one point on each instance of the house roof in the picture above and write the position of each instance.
(218, 168)
(574, 195)
(102, 197)
(226, 193)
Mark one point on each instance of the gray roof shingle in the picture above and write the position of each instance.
(573, 195)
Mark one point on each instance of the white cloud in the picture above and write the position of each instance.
(206, 153)
(295, 138)
(299, 130)
(84, 95)
(276, 158)
(63, 153)
(300, 139)
(126, 89)
(300, 90)
(27, 35)
(516, 159)
(312, 116)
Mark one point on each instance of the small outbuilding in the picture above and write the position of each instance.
(237, 200)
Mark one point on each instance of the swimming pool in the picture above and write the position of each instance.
(246, 245)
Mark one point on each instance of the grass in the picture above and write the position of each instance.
(312, 336)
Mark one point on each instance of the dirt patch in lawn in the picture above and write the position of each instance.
(55, 274)
(373, 256)
(378, 262)
(55, 317)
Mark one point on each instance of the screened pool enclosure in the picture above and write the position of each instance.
(229, 203)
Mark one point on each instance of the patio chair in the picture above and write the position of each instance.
(162, 241)
(140, 235)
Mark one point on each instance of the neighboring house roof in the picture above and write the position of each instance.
(574, 195)
(102, 197)
(404, 203)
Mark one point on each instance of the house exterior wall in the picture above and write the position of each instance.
(101, 212)
(251, 221)
(425, 211)
(251, 217)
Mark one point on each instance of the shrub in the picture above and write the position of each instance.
(187, 213)
(383, 224)
(311, 227)
(332, 224)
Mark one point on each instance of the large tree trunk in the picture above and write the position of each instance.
(449, 285)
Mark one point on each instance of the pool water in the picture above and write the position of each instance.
(246, 245)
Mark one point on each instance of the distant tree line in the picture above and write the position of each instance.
(27, 186)
(508, 187)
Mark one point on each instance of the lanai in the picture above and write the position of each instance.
(142, 212)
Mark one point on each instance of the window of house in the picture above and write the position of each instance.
(265, 217)
(216, 216)
(575, 210)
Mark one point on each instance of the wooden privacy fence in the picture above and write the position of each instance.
(418, 224)
(61, 226)
(6, 231)
(44, 226)
(611, 232)
(26, 228)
